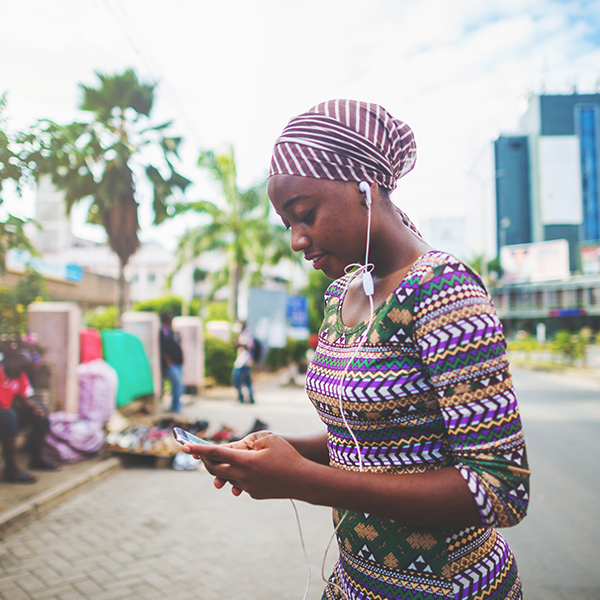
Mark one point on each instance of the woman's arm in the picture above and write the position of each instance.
(312, 446)
(274, 469)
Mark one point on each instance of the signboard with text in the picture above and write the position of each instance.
(541, 261)
(590, 260)
(18, 260)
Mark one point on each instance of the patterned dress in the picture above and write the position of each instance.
(429, 389)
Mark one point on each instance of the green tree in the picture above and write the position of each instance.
(239, 228)
(104, 158)
(12, 234)
(14, 302)
(318, 283)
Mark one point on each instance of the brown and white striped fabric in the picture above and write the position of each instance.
(346, 140)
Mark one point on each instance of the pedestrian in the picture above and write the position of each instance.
(171, 360)
(242, 367)
(18, 410)
(423, 456)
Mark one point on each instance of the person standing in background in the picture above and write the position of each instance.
(171, 360)
(242, 367)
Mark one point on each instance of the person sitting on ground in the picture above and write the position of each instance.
(19, 409)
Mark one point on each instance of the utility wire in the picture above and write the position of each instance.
(137, 45)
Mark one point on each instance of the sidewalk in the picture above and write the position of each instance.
(21, 504)
(147, 533)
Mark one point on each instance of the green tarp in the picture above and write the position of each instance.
(124, 352)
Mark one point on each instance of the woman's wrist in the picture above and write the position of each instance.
(311, 446)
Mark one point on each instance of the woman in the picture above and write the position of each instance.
(418, 382)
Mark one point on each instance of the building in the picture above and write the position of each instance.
(146, 272)
(548, 188)
(548, 176)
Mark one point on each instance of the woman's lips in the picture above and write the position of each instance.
(318, 261)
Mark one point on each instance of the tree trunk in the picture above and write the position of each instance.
(235, 290)
(121, 290)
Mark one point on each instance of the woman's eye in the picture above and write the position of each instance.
(308, 217)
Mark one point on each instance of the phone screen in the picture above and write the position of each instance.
(185, 437)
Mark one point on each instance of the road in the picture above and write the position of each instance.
(558, 545)
(147, 533)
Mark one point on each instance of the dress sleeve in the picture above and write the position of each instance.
(463, 350)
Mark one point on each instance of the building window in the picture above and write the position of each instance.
(539, 299)
(587, 128)
(151, 278)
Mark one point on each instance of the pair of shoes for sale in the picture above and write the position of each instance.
(185, 462)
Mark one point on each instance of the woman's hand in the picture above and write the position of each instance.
(262, 464)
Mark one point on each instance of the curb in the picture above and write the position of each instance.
(40, 505)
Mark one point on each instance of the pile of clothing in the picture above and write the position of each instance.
(76, 436)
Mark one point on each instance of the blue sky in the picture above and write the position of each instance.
(458, 71)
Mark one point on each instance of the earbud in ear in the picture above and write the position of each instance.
(365, 188)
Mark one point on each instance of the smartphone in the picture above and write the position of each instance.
(185, 437)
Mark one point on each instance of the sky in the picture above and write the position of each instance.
(459, 72)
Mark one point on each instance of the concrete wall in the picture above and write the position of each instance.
(191, 333)
(94, 290)
(56, 326)
(146, 326)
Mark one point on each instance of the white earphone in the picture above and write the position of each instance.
(367, 278)
(365, 188)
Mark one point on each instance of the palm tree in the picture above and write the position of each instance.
(104, 158)
(12, 233)
(240, 229)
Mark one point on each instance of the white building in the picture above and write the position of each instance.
(146, 271)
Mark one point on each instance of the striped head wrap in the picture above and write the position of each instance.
(346, 140)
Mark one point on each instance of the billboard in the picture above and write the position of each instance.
(590, 259)
(560, 180)
(541, 261)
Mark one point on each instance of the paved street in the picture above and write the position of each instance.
(147, 533)
(558, 545)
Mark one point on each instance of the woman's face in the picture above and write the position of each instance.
(328, 220)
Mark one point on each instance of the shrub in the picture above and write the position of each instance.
(527, 343)
(293, 351)
(219, 357)
(570, 346)
(216, 311)
(165, 304)
(106, 317)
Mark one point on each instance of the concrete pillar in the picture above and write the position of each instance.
(192, 344)
(56, 326)
(146, 326)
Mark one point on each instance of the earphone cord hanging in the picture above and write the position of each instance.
(356, 444)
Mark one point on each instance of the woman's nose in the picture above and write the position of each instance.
(300, 240)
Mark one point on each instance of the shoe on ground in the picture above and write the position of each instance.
(44, 465)
(20, 477)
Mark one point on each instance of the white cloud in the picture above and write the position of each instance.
(455, 70)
